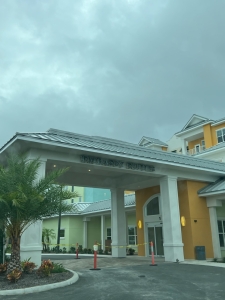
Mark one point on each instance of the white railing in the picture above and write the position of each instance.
(195, 150)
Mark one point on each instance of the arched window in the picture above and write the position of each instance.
(152, 207)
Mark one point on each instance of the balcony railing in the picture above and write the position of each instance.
(195, 150)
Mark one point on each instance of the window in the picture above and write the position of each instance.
(221, 230)
(62, 233)
(220, 135)
(132, 235)
(72, 200)
(108, 232)
(197, 148)
(72, 189)
(203, 145)
(153, 207)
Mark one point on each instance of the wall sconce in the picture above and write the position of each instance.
(182, 221)
(139, 224)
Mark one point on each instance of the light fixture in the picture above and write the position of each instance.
(89, 170)
(182, 221)
(139, 224)
(54, 166)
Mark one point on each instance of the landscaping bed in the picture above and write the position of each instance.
(30, 280)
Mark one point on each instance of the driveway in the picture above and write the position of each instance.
(132, 279)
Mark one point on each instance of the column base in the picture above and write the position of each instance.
(119, 252)
(173, 252)
(34, 253)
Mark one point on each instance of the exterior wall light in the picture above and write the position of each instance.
(182, 221)
(139, 224)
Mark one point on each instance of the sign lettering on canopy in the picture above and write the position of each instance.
(115, 163)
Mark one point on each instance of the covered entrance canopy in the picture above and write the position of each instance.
(117, 165)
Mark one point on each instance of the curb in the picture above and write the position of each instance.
(42, 288)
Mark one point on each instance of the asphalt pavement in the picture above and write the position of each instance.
(166, 281)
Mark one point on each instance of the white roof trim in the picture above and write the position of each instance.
(218, 123)
(192, 128)
(212, 193)
(194, 117)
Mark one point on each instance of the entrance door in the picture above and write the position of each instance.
(155, 235)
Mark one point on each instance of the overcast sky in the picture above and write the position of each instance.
(119, 69)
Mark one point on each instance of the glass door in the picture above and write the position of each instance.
(155, 235)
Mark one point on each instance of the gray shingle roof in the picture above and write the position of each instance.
(215, 187)
(155, 141)
(129, 200)
(111, 146)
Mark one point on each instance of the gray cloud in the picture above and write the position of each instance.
(121, 69)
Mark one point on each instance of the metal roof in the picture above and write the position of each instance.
(111, 146)
(215, 187)
(154, 141)
(129, 200)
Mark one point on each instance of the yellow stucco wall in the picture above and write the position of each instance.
(141, 197)
(191, 145)
(192, 207)
(164, 148)
(207, 135)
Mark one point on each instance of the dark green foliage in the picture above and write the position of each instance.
(72, 249)
(58, 268)
(131, 251)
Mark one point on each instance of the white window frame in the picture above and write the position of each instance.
(63, 237)
(221, 129)
(199, 148)
(135, 234)
(222, 219)
(203, 144)
(107, 233)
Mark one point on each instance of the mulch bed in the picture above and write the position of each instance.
(30, 280)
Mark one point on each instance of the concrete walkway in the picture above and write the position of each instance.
(133, 278)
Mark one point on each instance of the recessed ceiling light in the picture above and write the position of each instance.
(89, 170)
(54, 166)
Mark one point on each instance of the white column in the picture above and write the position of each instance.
(215, 234)
(103, 232)
(31, 240)
(173, 246)
(184, 147)
(212, 204)
(118, 223)
(85, 241)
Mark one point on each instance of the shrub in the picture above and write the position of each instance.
(85, 250)
(14, 276)
(100, 251)
(45, 268)
(58, 268)
(64, 250)
(89, 251)
(72, 249)
(223, 260)
(27, 266)
(106, 252)
(3, 268)
(131, 251)
(215, 259)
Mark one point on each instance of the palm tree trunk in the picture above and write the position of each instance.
(15, 255)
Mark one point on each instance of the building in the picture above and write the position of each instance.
(91, 222)
(171, 183)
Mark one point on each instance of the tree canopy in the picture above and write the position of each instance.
(25, 198)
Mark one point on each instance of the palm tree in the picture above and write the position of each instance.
(25, 199)
(47, 235)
